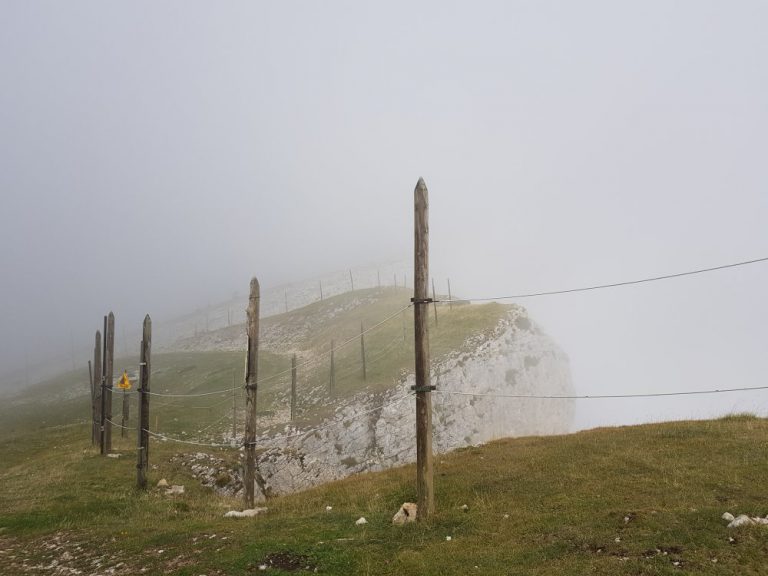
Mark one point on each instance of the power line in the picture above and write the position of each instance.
(599, 396)
(612, 285)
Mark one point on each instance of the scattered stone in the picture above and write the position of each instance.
(741, 520)
(465, 508)
(245, 513)
(728, 517)
(506, 516)
(328, 508)
(113, 455)
(360, 521)
(407, 513)
(447, 538)
(175, 489)
(163, 483)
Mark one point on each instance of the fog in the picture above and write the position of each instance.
(153, 157)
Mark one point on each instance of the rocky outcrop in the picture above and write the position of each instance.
(483, 392)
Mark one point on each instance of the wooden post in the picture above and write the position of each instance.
(293, 388)
(362, 349)
(332, 379)
(424, 475)
(286, 301)
(109, 381)
(124, 421)
(450, 298)
(251, 374)
(395, 278)
(321, 290)
(145, 370)
(93, 399)
(351, 280)
(229, 316)
(378, 278)
(434, 298)
(96, 415)
(234, 407)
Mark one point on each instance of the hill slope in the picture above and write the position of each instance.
(642, 500)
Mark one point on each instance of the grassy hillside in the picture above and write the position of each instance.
(642, 500)
(306, 331)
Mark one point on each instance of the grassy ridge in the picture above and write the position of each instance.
(642, 500)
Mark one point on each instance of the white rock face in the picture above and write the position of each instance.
(250, 513)
(377, 431)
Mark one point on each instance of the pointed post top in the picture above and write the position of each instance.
(111, 316)
(255, 288)
(147, 319)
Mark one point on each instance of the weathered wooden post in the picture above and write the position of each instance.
(434, 300)
(423, 389)
(351, 280)
(93, 399)
(286, 301)
(251, 374)
(109, 381)
(145, 370)
(321, 290)
(362, 349)
(450, 298)
(96, 415)
(293, 388)
(125, 415)
(395, 280)
(332, 378)
(378, 278)
(234, 407)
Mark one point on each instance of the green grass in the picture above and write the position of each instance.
(538, 506)
(632, 500)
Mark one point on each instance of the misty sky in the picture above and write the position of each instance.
(154, 156)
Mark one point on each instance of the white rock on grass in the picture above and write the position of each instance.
(727, 516)
(245, 513)
(407, 513)
(163, 483)
(175, 489)
(741, 520)
(360, 521)
(114, 455)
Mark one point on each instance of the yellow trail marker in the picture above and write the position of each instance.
(124, 383)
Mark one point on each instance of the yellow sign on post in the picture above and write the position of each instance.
(124, 383)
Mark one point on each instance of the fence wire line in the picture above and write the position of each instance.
(612, 285)
(602, 396)
(287, 371)
(338, 422)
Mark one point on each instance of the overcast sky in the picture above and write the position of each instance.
(154, 156)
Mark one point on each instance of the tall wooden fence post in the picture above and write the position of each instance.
(351, 280)
(145, 370)
(251, 375)
(362, 349)
(93, 398)
(97, 389)
(450, 298)
(125, 415)
(332, 378)
(234, 408)
(321, 290)
(424, 475)
(293, 388)
(434, 300)
(109, 381)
